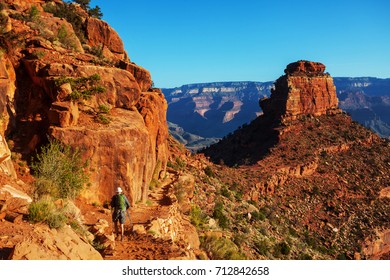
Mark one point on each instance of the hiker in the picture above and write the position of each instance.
(119, 206)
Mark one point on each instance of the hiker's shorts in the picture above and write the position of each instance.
(119, 216)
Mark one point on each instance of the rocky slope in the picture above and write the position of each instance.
(366, 99)
(317, 180)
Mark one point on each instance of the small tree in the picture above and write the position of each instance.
(83, 3)
(93, 12)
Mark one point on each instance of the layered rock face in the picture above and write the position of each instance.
(85, 93)
(305, 89)
(214, 109)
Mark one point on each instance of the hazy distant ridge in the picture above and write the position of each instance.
(212, 110)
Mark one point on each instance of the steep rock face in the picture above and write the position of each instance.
(100, 34)
(156, 123)
(101, 104)
(119, 155)
(305, 89)
(141, 75)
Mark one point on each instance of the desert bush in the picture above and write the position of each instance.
(83, 88)
(198, 218)
(218, 214)
(281, 248)
(209, 171)
(102, 118)
(44, 210)
(33, 14)
(226, 193)
(68, 12)
(179, 191)
(3, 22)
(262, 247)
(59, 171)
(258, 215)
(221, 249)
(104, 109)
(65, 38)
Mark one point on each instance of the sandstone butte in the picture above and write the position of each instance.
(304, 90)
(130, 149)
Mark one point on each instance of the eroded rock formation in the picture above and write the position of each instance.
(304, 90)
(85, 92)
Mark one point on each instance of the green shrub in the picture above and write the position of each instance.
(97, 51)
(103, 119)
(33, 14)
(83, 87)
(221, 249)
(59, 171)
(104, 109)
(66, 39)
(93, 12)
(209, 172)
(39, 211)
(179, 191)
(218, 214)
(198, 218)
(68, 12)
(45, 211)
(225, 192)
(281, 248)
(258, 216)
(262, 247)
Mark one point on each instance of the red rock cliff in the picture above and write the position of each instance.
(305, 89)
(118, 122)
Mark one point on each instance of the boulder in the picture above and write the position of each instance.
(63, 114)
(51, 244)
(100, 34)
(141, 75)
(8, 192)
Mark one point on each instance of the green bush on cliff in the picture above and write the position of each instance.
(220, 248)
(68, 12)
(83, 88)
(59, 171)
(44, 210)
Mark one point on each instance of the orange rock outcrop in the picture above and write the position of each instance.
(125, 146)
(304, 89)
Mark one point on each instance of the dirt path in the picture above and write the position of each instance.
(134, 246)
(144, 246)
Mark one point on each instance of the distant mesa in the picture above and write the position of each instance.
(304, 89)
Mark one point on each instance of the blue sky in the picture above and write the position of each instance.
(191, 41)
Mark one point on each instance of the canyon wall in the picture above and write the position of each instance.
(84, 91)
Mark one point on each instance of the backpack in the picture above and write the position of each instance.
(119, 202)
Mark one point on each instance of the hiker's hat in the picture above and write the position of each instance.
(119, 190)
